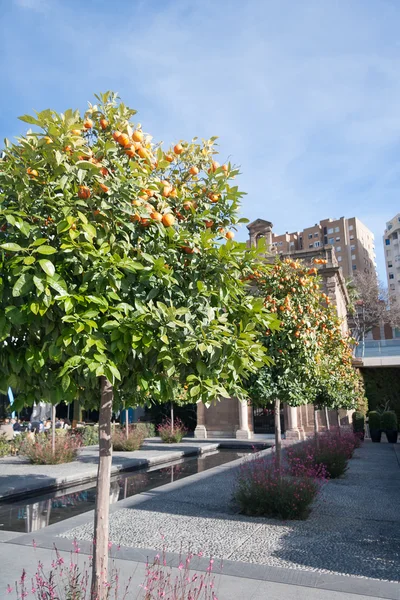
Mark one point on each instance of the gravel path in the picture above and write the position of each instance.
(353, 529)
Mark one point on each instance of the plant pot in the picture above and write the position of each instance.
(375, 435)
(391, 436)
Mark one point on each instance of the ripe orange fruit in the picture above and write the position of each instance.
(130, 151)
(47, 139)
(83, 192)
(124, 140)
(116, 135)
(187, 249)
(214, 166)
(32, 172)
(104, 187)
(188, 205)
(68, 149)
(167, 189)
(104, 171)
(209, 224)
(88, 124)
(214, 197)
(173, 193)
(145, 222)
(137, 136)
(194, 170)
(168, 220)
(76, 131)
(136, 203)
(230, 235)
(168, 157)
(103, 123)
(225, 168)
(73, 226)
(149, 193)
(156, 216)
(143, 152)
(178, 149)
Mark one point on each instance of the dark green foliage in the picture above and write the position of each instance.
(358, 422)
(389, 421)
(382, 388)
(374, 420)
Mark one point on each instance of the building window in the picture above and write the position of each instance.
(330, 230)
(310, 245)
(338, 239)
(316, 234)
(337, 229)
(338, 248)
(387, 242)
(387, 252)
(392, 286)
(353, 257)
(339, 258)
(310, 236)
(351, 227)
(352, 237)
(317, 244)
(354, 267)
(390, 227)
(352, 247)
(331, 240)
(291, 244)
(390, 264)
(391, 276)
(280, 244)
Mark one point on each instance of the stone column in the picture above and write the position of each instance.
(201, 432)
(243, 433)
(292, 431)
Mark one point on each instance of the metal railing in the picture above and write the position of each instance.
(375, 348)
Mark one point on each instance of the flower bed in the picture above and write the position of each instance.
(130, 442)
(264, 490)
(171, 435)
(40, 451)
(328, 457)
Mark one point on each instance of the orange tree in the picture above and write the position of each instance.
(312, 358)
(117, 271)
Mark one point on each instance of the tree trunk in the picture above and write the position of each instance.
(316, 429)
(172, 417)
(127, 423)
(338, 422)
(101, 515)
(53, 430)
(328, 427)
(278, 436)
(76, 413)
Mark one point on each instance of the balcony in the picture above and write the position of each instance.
(379, 353)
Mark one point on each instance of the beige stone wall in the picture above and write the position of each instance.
(222, 418)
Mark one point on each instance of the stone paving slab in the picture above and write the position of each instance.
(18, 476)
(350, 531)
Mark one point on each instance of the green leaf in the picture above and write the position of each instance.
(57, 287)
(90, 230)
(11, 247)
(39, 283)
(39, 242)
(194, 391)
(29, 119)
(47, 267)
(29, 260)
(22, 285)
(65, 381)
(82, 217)
(34, 308)
(46, 250)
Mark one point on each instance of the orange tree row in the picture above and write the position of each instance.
(311, 354)
(113, 275)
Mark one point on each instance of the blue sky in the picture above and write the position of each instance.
(305, 96)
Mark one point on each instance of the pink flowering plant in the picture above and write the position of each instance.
(172, 433)
(68, 580)
(40, 451)
(328, 456)
(127, 443)
(265, 489)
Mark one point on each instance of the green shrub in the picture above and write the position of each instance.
(124, 443)
(90, 435)
(358, 422)
(5, 445)
(148, 428)
(389, 421)
(374, 420)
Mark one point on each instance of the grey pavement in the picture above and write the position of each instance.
(348, 549)
(18, 476)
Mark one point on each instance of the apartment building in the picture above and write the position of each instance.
(391, 239)
(353, 243)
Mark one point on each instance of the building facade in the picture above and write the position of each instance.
(391, 240)
(231, 418)
(353, 243)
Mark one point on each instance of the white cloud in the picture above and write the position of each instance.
(36, 5)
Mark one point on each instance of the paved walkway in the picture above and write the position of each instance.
(348, 549)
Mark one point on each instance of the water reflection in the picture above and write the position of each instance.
(33, 514)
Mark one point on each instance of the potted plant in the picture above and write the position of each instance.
(375, 430)
(359, 424)
(389, 426)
